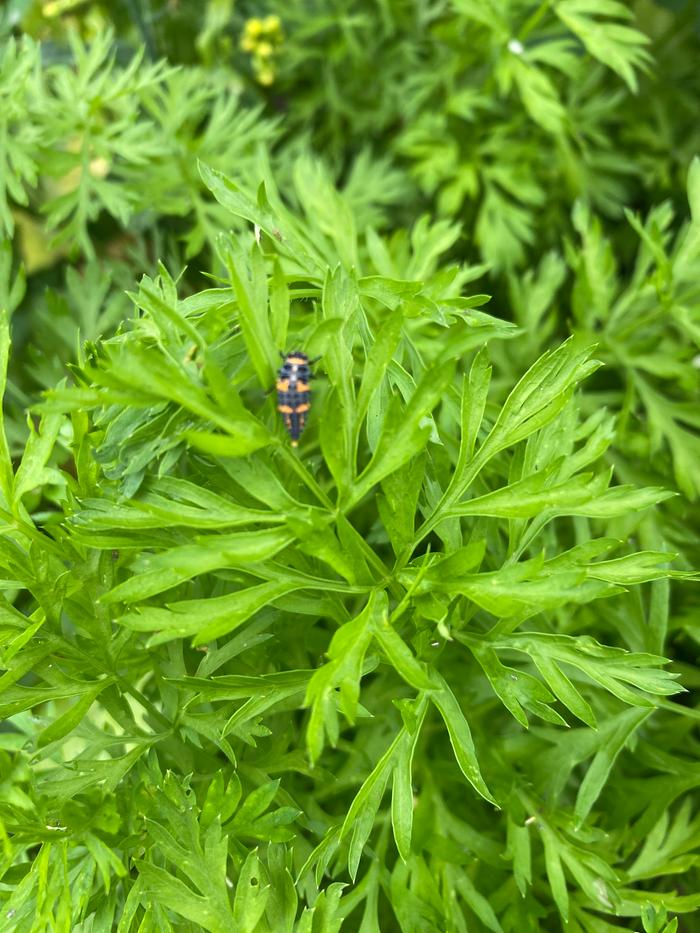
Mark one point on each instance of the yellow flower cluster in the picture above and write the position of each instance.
(261, 39)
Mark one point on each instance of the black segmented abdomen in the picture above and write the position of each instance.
(294, 398)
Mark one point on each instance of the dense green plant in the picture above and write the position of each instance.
(435, 671)
(438, 572)
(121, 140)
(646, 326)
(503, 111)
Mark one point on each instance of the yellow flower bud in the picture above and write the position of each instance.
(99, 168)
(272, 23)
(253, 27)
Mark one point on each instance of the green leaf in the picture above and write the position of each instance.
(517, 690)
(400, 656)
(231, 197)
(535, 401)
(460, 736)
(237, 442)
(524, 588)
(474, 393)
(399, 503)
(402, 801)
(519, 851)
(251, 896)
(404, 433)
(161, 887)
(341, 304)
(282, 901)
(694, 188)
(363, 810)
(69, 720)
(597, 775)
(205, 619)
(617, 46)
(477, 902)
(540, 395)
(611, 668)
(33, 471)
(555, 872)
(208, 553)
(339, 680)
(378, 359)
(249, 280)
(635, 568)
(6, 471)
(319, 541)
(562, 687)
(539, 96)
(584, 494)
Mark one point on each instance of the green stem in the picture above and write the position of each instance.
(33, 533)
(534, 20)
(375, 561)
(147, 705)
(307, 479)
(451, 495)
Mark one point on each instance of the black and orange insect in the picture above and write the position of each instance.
(294, 392)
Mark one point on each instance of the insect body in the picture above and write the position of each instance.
(294, 393)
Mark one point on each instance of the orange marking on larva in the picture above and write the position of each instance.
(302, 387)
(303, 407)
(285, 408)
(297, 359)
(283, 385)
